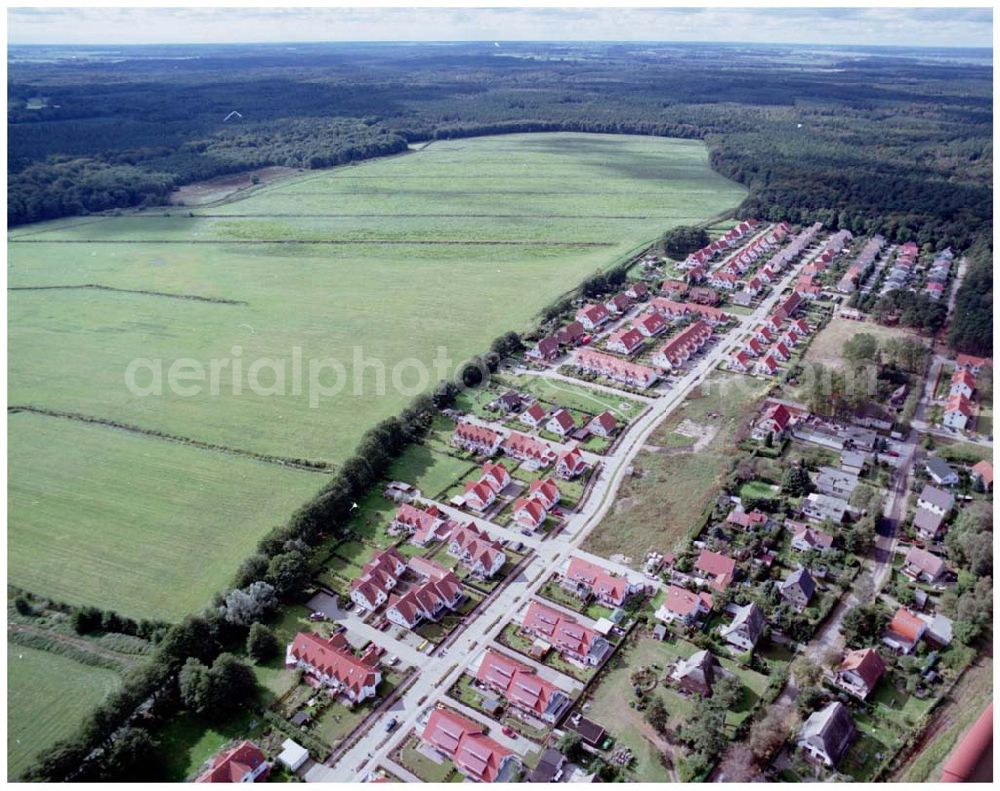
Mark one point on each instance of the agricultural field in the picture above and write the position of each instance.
(678, 471)
(141, 525)
(48, 695)
(305, 268)
(332, 261)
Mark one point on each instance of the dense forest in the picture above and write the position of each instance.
(891, 141)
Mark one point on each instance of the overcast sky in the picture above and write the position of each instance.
(944, 27)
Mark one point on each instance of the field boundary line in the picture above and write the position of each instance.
(139, 291)
(283, 461)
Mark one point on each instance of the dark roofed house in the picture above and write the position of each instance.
(927, 524)
(550, 767)
(746, 628)
(941, 472)
(827, 734)
(798, 588)
(697, 673)
(936, 500)
(591, 733)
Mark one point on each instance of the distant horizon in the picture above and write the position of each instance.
(917, 28)
(387, 42)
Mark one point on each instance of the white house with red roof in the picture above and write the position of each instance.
(776, 419)
(754, 347)
(589, 580)
(625, 340)
(592, 316)
(560, 422)
(495, 475)
(688, 342)
(545, 350)
(973, 364)
(379, 576)
(332, 663)
(650, 324)
(638, 290)
(765, 333)
(958, 412)
(740, 362)
(781, 351)
(529, 513)
(410, 520)
(565, 634)
(244, 763)
(628, 373)
(684, 606)
(963, 383)
(439, 592)
(546, 490)
(603, 425)
(475, 550)
(476, 439)
(467, 746)
(530, 450)
(618, 304)
(571, 464)
(766, 366)
(533, 416)
(521, 686)
(859, 672)
(478, 495)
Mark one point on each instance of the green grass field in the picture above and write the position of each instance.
(145, 526)
(390, 288)
(47, 697)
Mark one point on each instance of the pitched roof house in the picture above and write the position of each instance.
(478, 495)
(983, 472)
(476, 439)
(332, 663)
(904, 631)
(603, 425)
(545, 490)
(859, 672)
(963, 383)
(717, 570)
(529, 513)
(628, 373)
(958, 412)
(745, 629)
(625, 340)
(565, 634)
(465, 742)
(798, 588)
(683, 605)
(533, 415)
(936, 500)
(827, 734)
(571, 464)
(244, 763)
(807, 538)
(528, 449)
(546, 349)
(650, 324)
(370, 590)
(475, 550)
(560, 422)
(592, 316)
(921, 566)
(521, 686)
(697, 673)
(588, 580)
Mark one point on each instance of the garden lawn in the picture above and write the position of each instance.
(578, 397)
(657, 509)
(141, 525)
(48, 696)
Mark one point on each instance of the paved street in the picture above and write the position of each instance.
(440, 672)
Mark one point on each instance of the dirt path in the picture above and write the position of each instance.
(664, 746)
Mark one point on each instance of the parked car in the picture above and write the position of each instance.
(509, 732)
(348, 605)
(392, 661)
(318, 616)
(391, 725)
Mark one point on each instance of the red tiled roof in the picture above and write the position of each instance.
(598, 579)
(465, 742)
(906, 625)
(518, 682)
(984, 470)
(563, 632)
(684, 602)
(233, 765)
(630, 338)
(334, 658)
(523, 445)
(867, 664)
(476, 433)
(606, 420)
(544, 487)
(964, 377)
(958, 403)
(535, 412)
(563, 418)
(720, 568)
